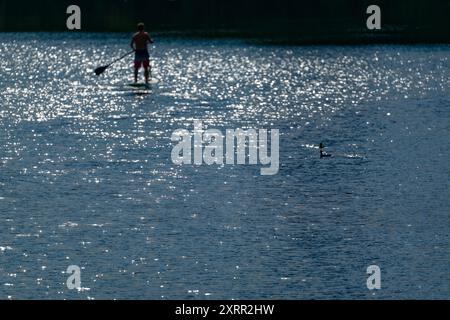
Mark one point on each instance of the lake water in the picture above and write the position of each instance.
(86, 176)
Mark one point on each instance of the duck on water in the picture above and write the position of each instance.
(323, 154)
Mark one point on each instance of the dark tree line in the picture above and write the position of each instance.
(313, 18)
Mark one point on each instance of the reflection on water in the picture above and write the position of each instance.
(86, 177)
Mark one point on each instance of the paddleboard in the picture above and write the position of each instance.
(144, 85)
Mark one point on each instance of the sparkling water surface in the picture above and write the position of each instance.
(86, 176)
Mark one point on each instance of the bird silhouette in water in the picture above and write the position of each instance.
(323, 154)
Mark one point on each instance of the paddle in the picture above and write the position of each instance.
(100, 70)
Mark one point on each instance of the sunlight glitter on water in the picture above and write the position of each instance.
(83, 159)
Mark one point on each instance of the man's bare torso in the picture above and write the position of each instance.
(140, 40)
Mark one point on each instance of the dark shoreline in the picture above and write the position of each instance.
(267, 21)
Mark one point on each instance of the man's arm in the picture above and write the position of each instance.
(132, 44)
(150, 40)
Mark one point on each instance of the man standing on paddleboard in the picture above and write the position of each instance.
(142, 58)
